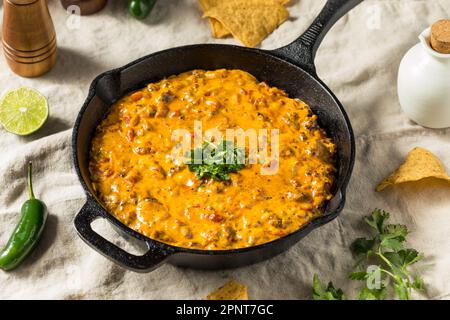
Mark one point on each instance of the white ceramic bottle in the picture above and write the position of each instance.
(424, 84)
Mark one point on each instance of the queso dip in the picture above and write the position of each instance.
(137, 180)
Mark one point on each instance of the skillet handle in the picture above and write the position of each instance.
(145, 263)
(302, 51)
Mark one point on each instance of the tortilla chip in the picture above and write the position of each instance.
(207, 4)
(250, 21)
(232, 290)
(217, 28)
(420, 164)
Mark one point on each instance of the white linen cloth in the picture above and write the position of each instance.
(359, 60)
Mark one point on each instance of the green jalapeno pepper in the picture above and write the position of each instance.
(27, 232)
(140, 9)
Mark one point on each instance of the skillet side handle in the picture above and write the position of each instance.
(302, 51)
(145, 263)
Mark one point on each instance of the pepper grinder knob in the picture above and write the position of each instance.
(86, 6)
(29, 38)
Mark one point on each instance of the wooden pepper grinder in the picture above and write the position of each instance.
(29, 38)
(86, 6)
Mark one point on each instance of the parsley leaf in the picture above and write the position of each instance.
(399, 230)
(390, 242)
(372, 294)
(362, 245)
(320, 292)
(403, 258)
(216, 161)
(358, 275)
(393, 236)
(377, 220)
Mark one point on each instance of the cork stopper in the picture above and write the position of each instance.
(440, 36)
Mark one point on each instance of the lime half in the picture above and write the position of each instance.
(23, 111)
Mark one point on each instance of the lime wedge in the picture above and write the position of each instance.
(23, 111)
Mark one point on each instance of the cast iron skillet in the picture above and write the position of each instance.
(290, 68)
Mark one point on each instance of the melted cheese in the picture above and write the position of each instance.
(138, 182)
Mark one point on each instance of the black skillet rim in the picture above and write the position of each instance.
(171, 249)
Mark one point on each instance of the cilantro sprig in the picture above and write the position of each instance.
(383, 258)
(217, 161)
(387, 248)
